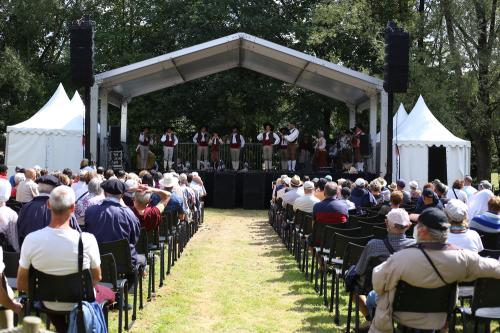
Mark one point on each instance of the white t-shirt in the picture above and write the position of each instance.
(461, 195)
(55, 251)
(469, 240)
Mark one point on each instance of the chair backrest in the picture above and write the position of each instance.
(11, 261)
(490, 240)
(289, 212)
(487, 253)
(77, 287)
(409, 298)
(371, 218)
(486, 293)
(366, 281)
(108, 270)
(308, 224)
(340, 242)
(142, 244)
(379, 232)
(351, 232)
(352, 254)
(367, 227)
(121, 253)
(300, 218)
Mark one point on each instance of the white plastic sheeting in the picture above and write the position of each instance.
(51, 138)
(422, 130)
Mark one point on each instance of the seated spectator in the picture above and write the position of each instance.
(384, 190)
(3, 172)
(330, 210)
(468, 188)
(397, 222)
(428, 200)
(149, 216)
(7, 300)
(54, 250)
(86, 166)
(460, 235)
(320, 191)
(478, 203)
(35, 215)
(456, 191)
(100, 172)
(361, 196)
(121, 175)
(27, 189)
(8, 220)
(415, 193)
(109, 174)
(18, 178)
(400, 186)
(307, 201)
(375, 190)
(94, 196)
(176, 202)
(489, 221)
(411, 266)
(111, 221)
(345, 194)
(11, 178)
(293, 192)
(395, 201)
(80, 187)
(441, 191)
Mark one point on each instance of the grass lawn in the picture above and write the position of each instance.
(235, 276)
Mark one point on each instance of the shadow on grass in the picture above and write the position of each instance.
(309, 303)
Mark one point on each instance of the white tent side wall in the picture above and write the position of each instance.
(458, 163)
(414, 161)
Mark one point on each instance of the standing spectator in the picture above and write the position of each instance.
(36, 215)
(330, 210)
(8, 219)
(94, 196)
(27, 189)
(306, 202)
(489, 221)
(460, 235)
(468, 188)
(456, 191)
(54, 250)
(400, 186)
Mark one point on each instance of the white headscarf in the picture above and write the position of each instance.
(478, 203)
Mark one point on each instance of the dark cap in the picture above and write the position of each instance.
(3, 168)
(401, 183)
(434, 218)
(114, 186)
(428, 193)
(49, 180)
(345, 192)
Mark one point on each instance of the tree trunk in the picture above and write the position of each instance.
(483, 157)
(327, 121)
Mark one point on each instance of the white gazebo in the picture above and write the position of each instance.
(119, 86)
(51, 138)
(427, 148)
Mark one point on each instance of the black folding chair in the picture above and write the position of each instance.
(156, 245)
(487, 253)
(142, 247)
(11, 261)
(490, 240)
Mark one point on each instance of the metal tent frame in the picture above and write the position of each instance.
(357, 90)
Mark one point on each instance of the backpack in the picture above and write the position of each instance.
(93, 318)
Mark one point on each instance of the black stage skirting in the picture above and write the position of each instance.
(252, 189)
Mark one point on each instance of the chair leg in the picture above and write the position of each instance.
(150, 277)
(141, 304)
(349, 312)
(332, 291)
(162, 263)
(169, 253)
(337, 300)
(134, 308)
(356, 322)
(306, 259)
(313, 255)
(325, 286)
(125, 297)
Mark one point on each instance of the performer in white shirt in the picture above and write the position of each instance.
(268, 138)
(320, 155)
(201, 139)
(143, 148)
(169, 140)
(236, 142)
(292, 138)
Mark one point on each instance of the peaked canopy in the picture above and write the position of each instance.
(422, 128)
(399, 118)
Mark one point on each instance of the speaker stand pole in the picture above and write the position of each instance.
(87, 123)
(390, 149)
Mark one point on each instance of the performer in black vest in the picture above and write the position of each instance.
(169, 141)
(143, 148)
(268, 138)
(283, 148)
(201, 139)
(292, 138)
(236, 142)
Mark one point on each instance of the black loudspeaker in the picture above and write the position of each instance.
(396, 67)
(254, 192)
(364, 144)
(224, 190)
(82, 52)
(114, 137)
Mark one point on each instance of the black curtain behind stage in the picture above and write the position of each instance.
(252, 190)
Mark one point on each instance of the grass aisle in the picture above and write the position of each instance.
(235, 276)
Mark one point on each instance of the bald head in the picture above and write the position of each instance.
(30, 174)
(62, 200)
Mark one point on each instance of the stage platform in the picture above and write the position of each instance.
(252, 189)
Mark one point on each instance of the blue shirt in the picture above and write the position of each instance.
(175, 204)
(362, 198)
(36, 215)
(420, 207)
(110, 221)
(330, 211)
(12, 181)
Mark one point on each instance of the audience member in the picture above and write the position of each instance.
(94, 196)
(54, 250)
(400, 186)
(176, 202)
(460, 235)
(428, 200)
(456, 191)
(3, 172)
(345, 194)
(330, 210)
(441, 191)
(468, 188)
(489, 221)
(361, 196)
(293, 193)
(18, 178)
(478, 203)
(8, 220)
(28, 189)
(149, 216)
(7, 300)
(18, 169)
(320, 191)
(36, 215)
(412, 266)
(307, 201)
(109, 174)
(375, 190)
(415, 193)
(80, 188)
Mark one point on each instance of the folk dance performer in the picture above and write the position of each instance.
(143, 148)
(236, 142)
(169, 140)
(201, 140)
(283, 148)
(268, 138)
(346, 150)
(215, 143)
(320, 155)
(292, 138)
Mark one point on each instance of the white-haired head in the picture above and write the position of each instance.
(61, 199)
(19, 177)
(94, 186)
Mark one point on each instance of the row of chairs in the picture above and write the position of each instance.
(329, 251)
(117, 269)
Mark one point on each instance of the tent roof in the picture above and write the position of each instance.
(57, 116)
(239, 50)
(399, 117)
(422, 128)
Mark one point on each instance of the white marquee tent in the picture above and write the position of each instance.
(417, 134)
(51, 138)
(397, 120)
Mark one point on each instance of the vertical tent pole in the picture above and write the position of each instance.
(373, 131)
(104, 128)
(94, 99)
(384, 135)
(123, 123)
